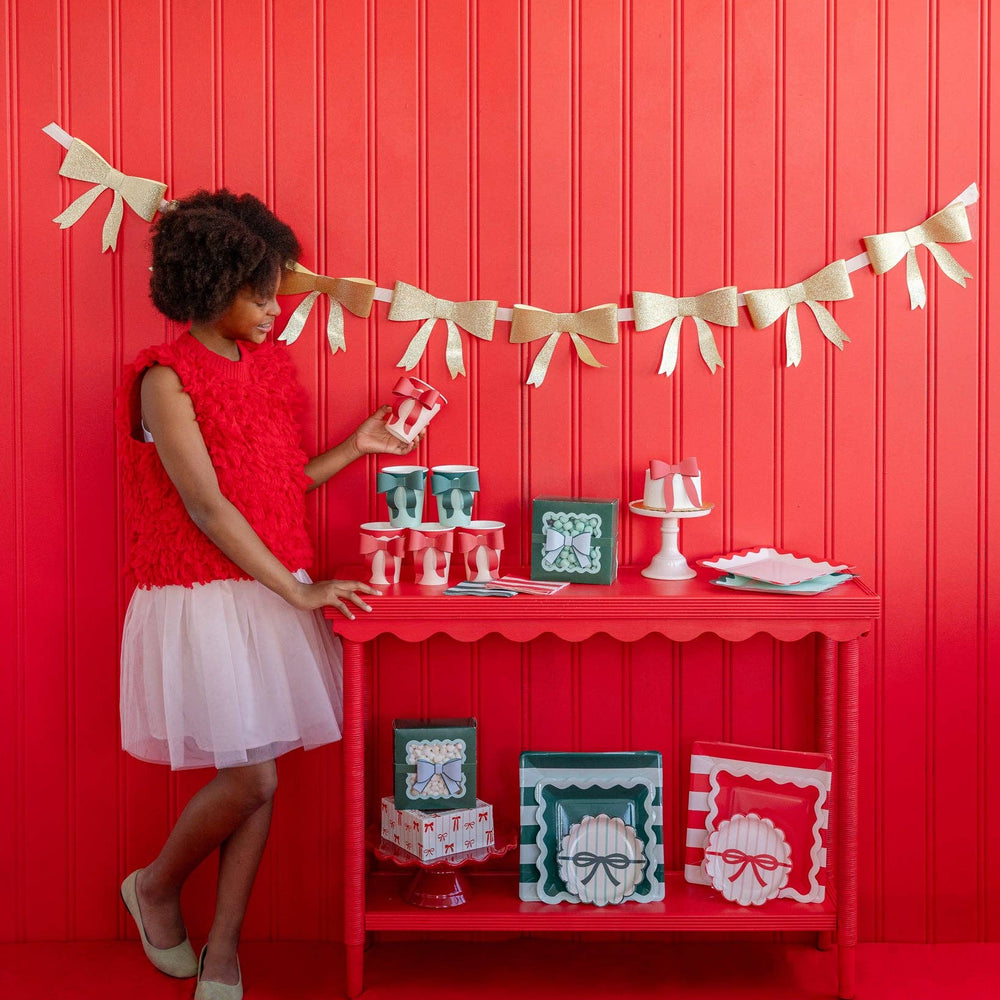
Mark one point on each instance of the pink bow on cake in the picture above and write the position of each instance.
(686, 469)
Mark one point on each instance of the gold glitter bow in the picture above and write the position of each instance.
(81, 163)
(596, 323)
(831, 284)
(950, 225)
(355, 294)
(718, 306)
(410, 302)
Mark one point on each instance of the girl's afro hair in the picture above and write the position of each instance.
(208, 246)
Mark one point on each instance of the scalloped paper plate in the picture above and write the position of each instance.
(818, 586)
(768, 565)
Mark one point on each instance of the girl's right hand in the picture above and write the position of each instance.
(339, 594)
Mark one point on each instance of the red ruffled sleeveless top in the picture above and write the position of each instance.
(248, 412)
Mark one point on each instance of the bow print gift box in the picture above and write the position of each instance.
(574, 540)
(435, 763)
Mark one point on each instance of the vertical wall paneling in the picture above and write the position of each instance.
(561, 154)
(11, 531)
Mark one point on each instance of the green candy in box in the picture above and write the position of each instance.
(574, 540)
(434, 763)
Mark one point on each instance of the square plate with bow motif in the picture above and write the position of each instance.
(560, 789)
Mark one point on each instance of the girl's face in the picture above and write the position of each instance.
(250, 316)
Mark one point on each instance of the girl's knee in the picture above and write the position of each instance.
(255, 783)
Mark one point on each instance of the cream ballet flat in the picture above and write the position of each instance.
(209, 990)
(179, 961)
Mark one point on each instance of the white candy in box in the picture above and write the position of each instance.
(430, 835)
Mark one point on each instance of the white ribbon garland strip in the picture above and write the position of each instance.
(968, 197)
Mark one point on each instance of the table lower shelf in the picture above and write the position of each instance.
(493, 905)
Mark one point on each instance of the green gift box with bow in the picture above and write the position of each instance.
(435, 763)
(574, 540)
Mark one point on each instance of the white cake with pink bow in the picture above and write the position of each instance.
(672, 486)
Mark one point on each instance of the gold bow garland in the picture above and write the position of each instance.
(950, 225)
(81, 163)
(477, 317)
(355, 294)
(718, 306)
(830, 284)
(596, 323)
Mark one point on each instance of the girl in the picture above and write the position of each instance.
(226, 660)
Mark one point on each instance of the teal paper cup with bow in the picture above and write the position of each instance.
(454, 487)
(403, 486)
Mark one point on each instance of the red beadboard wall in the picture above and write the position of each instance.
(561, 154)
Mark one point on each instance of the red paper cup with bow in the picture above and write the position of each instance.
(480, 542)
(415, 403)
(432, 545)
(383, 547)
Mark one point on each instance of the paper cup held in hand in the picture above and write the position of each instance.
(383, 548)
(403, 486)
(455, 488)
(432, 545)
(415, 404)
(480, 542)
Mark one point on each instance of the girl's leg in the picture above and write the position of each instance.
(234, 795)
(239, 859)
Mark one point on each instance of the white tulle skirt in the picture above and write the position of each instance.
(225, 674)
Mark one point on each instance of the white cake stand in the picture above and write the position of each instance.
(668, 563)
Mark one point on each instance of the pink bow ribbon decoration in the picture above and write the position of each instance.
(439, 542)
(686, 470)
(757, 862)
(392, 547)
(450, 771)
(491, 541)
(426, 398)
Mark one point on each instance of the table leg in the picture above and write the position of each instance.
(847, 816)
(354, 816)
(827, 733)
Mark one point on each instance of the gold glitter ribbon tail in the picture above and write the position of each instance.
(297, 321)
(335, 326)
(583, 351)
(416, 347)
(73, 212)
(541, 364)
(668, 360)
(706, 343)
(453, 350)
(915, 281)
(793, 342)
(828, 325)
(948, 264)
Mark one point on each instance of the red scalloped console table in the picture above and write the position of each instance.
(629, 609)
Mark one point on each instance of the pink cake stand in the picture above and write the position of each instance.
(668, 563)
(437, 883)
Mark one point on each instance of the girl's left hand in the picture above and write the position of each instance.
(372, 438)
